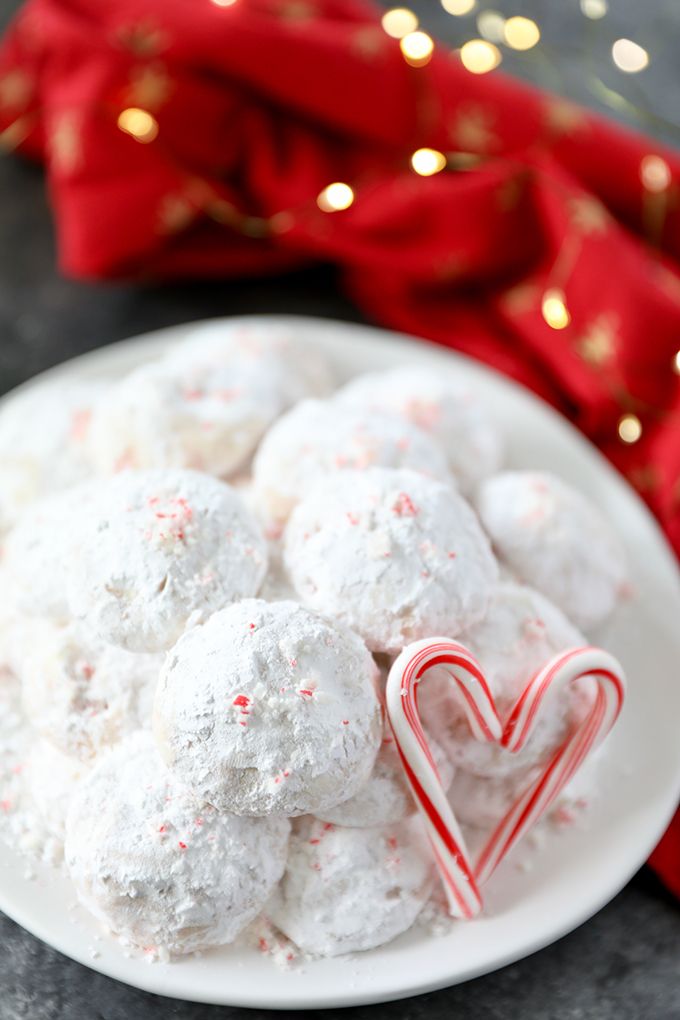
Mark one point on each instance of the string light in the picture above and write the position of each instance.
(554, 309)
(427, 162)
(335, 197)
(417, 48)
(655, 173)
(458, 7)
(629, 57)
(629, 428)
(676, 363)
(479, 56)
(139, 123)
(399, 22)
(594, 9)
(491, 25)
(521, 33)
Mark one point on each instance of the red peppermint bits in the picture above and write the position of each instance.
(403, 506)
(241, 701)
(182, 845)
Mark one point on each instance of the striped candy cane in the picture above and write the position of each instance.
(401, 697)
(554, 677)
(461, 881)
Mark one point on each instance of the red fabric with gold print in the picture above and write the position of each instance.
(249, 110)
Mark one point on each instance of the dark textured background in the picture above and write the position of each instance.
(624, 964)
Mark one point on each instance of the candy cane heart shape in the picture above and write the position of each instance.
(461, 879)
(472, 691)
(561, 671)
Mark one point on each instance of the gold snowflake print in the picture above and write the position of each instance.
(473, 129)
(65, 141)
(597, 344)
(16, 88)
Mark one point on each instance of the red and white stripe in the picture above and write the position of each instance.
(401, 697)
(563, 670)
(461, 880)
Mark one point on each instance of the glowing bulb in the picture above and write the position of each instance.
(521, 33)
(399, 22)
(676, 362)
(594, 9)
(223, 3)
(427, 162)
(554, 309)
(629, 428)
(458, 7)
(629, 57)
(138, 123)
(335, 197)
(655, 173)
(479, 56)
(491, 25)
(417, 48)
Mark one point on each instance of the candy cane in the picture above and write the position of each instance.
(554, 677)
(461, 881)
(401, 697)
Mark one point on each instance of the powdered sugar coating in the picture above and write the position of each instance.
(157, 546)
(483, 801)
(43, 443)
(52, 779)
(158, 867)
(208, 402)
(318, 437)
(268, 709)
(441, 403)
(392, 554)
(85, 695)
(385, 798)
(347, 890)
(556, 540)
(39, 547)
(519, 633)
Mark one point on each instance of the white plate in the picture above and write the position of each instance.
(578, 872)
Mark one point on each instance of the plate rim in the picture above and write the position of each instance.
(96, 360)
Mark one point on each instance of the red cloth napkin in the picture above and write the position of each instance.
(250, 109)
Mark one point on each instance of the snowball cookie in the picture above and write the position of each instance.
(521, 631)
(156, 866)
(345, 890)
(156, 547)
(43, 443)
(394, 555)
(84, 695)
(482, 802)
(208, 402)
(318, 437)
(385, 798)
(556, 540)
(268, 709)
(52, 778)
(38, 548)
(439, 402)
